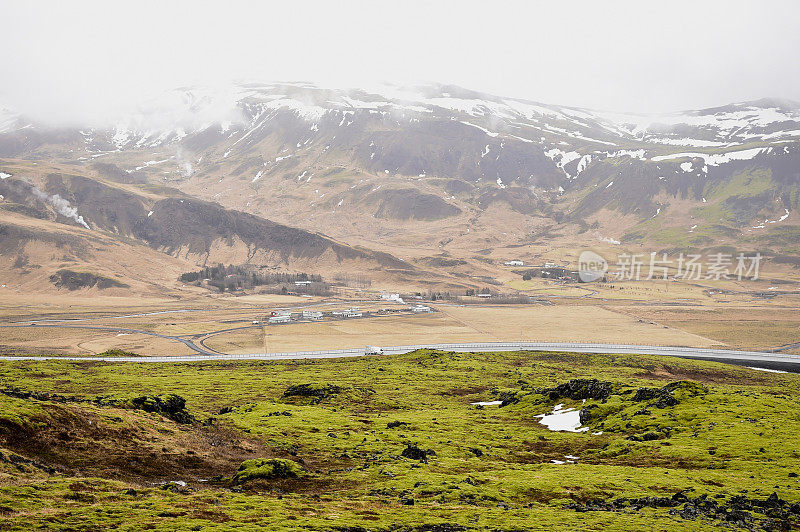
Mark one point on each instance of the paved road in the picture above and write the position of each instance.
(775, 361)
(786, 347)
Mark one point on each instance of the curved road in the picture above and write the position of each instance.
(188, 343)
(758, 359)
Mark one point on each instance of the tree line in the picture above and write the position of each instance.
(232, 277)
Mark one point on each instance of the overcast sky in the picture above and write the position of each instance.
(74, 59)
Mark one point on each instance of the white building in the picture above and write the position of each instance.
(419, 308)
(312, 315)
(514, 262)
(280, 319)
(484, 295)
(302, 283)
(353, 312)
(281, 313)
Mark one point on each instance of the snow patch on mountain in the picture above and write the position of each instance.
(715, 159)
(634, 154)
(607, 239)
(562, 158)
(738, 121)
(583, 163)
(490, 133)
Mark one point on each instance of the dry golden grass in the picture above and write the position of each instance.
(691, 317)
(740, 327)
(564, 323)
(350, 333)
(459, 324)
(69, 341)
(141, 344)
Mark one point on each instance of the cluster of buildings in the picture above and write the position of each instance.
(352, 312)
(285, 316)
(280, 316)
(314, 315)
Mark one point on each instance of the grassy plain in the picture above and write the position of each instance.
(73, 462)
(743, 315)
(451, 323)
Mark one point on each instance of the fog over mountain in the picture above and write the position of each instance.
(79, 63)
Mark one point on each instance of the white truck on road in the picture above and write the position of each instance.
(372, 350)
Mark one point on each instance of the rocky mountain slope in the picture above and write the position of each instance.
(50, 221)
(441, 170)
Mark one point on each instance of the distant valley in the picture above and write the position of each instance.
(437, 182)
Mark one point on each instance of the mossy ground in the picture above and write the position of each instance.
(733, 433)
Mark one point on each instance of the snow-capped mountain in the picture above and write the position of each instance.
(175, 114)
(437, 152)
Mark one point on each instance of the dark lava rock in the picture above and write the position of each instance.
(666, 400)
(663, 396)
(585, 415)
(439, 527)
(645, 394)
(395, 424)
(507, 398)
(580, 389)
(171, 406)
(738, 511)
(175, 487)
(320, 391)
(38, 396)
(415, 453)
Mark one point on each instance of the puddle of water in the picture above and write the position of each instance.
(568, 459)
(487, 403)
(563, 420)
